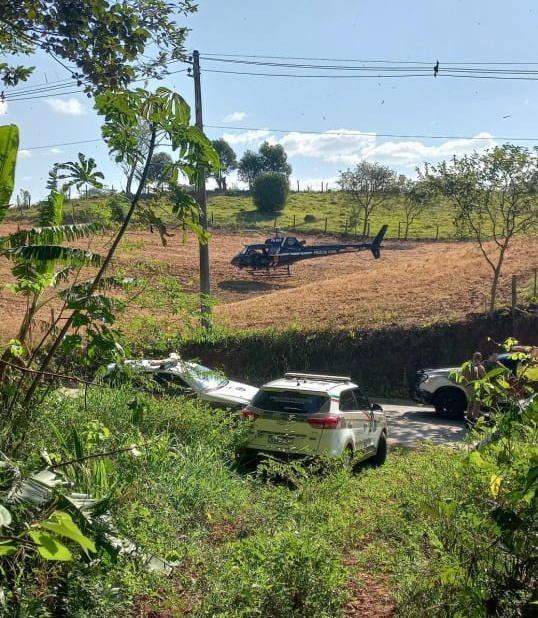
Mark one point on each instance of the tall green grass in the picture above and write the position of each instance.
(274, 540)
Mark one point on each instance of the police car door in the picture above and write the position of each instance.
(369, 423)
(353, 418)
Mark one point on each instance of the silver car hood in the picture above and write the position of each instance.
(232, 392)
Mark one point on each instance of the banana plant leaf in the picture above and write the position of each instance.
(9, 146)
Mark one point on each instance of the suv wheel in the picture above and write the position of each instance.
(450, 403)
(381, 454)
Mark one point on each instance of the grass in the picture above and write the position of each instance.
(278, 540)
(305, 212)
(328, 213)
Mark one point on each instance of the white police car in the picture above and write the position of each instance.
(306, 414)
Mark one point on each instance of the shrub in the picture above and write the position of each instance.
(281, 575)
(270, 191)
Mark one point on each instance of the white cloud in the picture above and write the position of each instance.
(348, 148)
(24, 154)
(338, 146)
(71, 107)
(409, 153)
(234, 117)
(248, 138)
(55, 151)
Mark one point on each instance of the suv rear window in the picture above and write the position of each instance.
(291, 401)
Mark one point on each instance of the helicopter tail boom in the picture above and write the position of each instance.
(376, 243)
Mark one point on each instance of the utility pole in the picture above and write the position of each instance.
(205, 285)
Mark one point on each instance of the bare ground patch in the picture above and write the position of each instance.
(412, 283)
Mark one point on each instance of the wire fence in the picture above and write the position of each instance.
(332, 226)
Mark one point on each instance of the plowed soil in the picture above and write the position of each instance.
(414, 282)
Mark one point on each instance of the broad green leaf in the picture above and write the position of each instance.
(61, 524)
(49, 547)
(476, 459)
(7, 548)
(5, 516)
(9, 145)
(495, 485)
(51, 212)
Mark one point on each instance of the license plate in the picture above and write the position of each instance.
(279, 439)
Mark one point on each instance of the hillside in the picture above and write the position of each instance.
(414, 282)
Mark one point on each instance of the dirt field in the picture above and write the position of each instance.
(412, 282)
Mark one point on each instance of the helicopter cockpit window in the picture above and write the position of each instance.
(292, 243)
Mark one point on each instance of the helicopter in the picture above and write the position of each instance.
(279, 252)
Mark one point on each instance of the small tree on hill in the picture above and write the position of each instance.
(270, 191)
(228, 160)
(160, 169)
(494, 195)
(79, 174)
(369, 185)
(417, 197)
(270, 158)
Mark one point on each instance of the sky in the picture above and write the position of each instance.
(334, 82)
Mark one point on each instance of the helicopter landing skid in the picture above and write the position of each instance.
(271, 271)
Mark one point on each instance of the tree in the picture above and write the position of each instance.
(228, 161)
(34, 252)
(270, 191)
(274, 159)
(24, 199)
(369, 185)
(494, 195)
(105, 41)
(79, 174)
(160, 169)
(249, 167)
(417, 196)
(270, 158)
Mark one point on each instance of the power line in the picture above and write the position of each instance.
(207, 56)
(335, 133)
(373, 134)
(317, 68)
(85, 141)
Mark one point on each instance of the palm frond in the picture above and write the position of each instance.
(106, 283)
(98, 307)
(47, 253)
(53, 235)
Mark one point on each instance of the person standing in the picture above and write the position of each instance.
(472, 371)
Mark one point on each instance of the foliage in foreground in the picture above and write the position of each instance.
(177, 525)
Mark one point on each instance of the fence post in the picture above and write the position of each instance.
(293, 222)
(514, 293)
(325, 225)
(399, 226)
(345, 227)
(535, 271)
(437, 234)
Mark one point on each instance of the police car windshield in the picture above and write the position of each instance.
(205, 378)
